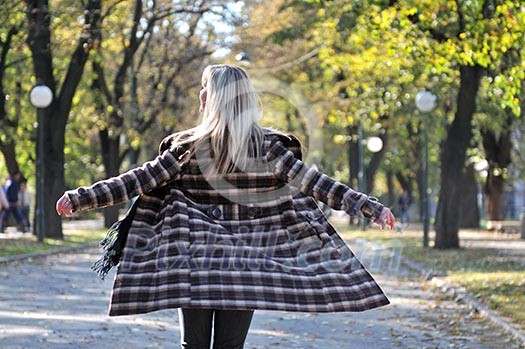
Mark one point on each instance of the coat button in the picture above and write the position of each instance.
(214, 212)
(254, 212)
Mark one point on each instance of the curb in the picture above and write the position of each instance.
(463, 295)
(46, 253)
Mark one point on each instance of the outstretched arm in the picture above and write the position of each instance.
(156, 173)
(323, 188)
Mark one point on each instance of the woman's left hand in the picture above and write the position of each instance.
(386, 219)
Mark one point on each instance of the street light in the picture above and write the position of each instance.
(243, 58)
(374, 145)
(425, 102)
(40, 97)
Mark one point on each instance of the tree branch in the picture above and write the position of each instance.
(461, 18)
(102, 83)
(89, 38)
(110, 9)
(6, 46)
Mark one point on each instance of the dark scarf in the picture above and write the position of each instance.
(114, 242)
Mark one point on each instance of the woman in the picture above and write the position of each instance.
(227, 223)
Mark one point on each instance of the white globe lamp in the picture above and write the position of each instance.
(426, 101)
(374, 144)
(243, 58)
(41, 96)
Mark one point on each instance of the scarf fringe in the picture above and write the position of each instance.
(113, 243)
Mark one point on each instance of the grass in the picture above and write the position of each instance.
(28, 244)
(497, 279)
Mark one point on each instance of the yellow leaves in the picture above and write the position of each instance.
(452, 4)
(384, 18)
(76, 99)
(463, 36)
(411, 11)
(358, 40)
(465, 59)
(339, 139)
(332, 119)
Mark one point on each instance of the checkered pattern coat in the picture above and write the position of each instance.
(195, 243)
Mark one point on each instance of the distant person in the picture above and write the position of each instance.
(4, 204)
(404, 207)
(12, 190)
(25, 200)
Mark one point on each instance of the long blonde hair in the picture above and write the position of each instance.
(230, 119)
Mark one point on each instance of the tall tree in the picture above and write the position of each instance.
(56, 115)
(498, 147)
(12, 21)
(476, 28)
(135, 71)
(390, 50)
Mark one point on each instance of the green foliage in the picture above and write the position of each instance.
(165, 69)
(374, 56)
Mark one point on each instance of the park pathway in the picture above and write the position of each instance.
(57, 302)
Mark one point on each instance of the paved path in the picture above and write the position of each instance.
(57, 302)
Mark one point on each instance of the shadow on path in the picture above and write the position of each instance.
(58, 302)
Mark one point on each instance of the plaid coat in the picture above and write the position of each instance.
(253, 240)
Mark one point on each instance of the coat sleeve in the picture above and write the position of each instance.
(312, 182)
(153, 174)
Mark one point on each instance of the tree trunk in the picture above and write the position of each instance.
(134, 154)
(9, 151)
(8, 125)
(39, 40)
(469, 204)
(54, 140)
(405, 183)
(353, 156)
(498, 152)
(453, 157)
(56, 115)
(112, 160)
(374, 163)
(391, 198)
(495, 194)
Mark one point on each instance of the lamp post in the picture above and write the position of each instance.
(425, 102)
(361, 156)
(374, 145)
(41, 97)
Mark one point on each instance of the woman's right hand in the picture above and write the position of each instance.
(64, 206)
(386, 219)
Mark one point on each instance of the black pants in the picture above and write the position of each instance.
(230, 328)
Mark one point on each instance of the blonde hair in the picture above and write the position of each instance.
(230, 120)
